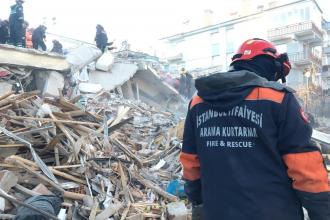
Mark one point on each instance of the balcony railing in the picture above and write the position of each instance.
(177, 57)
(326, 47)
(326, 26)
(326, 43)
(326, 61)
(302, 58)
(297, 29)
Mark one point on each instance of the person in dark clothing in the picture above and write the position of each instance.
(4, 32)
(38, 37)
(101, 38)
(57, 47)
(186, 88)
(25, 26)
(247, 152)
(183, 82)
(16, 20)
(190, 85)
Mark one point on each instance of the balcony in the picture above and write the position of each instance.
(302, 59)
(303, 31)
(326, 47)
(326, 26)
(176, 58)
(326, 61)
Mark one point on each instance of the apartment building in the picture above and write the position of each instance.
(294, 26)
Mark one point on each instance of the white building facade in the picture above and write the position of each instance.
(295, 27)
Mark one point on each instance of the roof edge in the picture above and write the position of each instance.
(232, 20)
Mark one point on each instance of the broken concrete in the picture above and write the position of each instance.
(119, 74)
(90, 87)
(13, 56)
(177, 211)
(50, 83)
(5, 88)
(149, 87)
(7, 180)
(105, 62)
(82, 56)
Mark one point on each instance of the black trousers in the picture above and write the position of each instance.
(37, 43)
(16, 33)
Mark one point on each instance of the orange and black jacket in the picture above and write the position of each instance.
(28, 38)
(247, 152)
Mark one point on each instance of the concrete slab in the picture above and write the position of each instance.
(177, 211)
(7, 180)
(49, 82)
(82, 56)
(153, 90)
(5, 88)
(118, 75)
(13, 56)
(90, 87)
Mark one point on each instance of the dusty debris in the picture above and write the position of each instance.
(90, 154)
(177, 211)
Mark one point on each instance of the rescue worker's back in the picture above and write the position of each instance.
(247, 153)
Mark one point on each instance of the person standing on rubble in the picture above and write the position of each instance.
(183, 82)
(28, 38)
(25, 26)
(247, 150)
(16, 20)
(38, 37)
(57, 47)
(101, 38)
(186, 83)
(4, 31)
(190, 85)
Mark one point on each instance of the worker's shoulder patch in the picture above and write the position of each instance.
(195, 101)
(261, 93)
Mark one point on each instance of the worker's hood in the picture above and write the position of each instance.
(228, 89)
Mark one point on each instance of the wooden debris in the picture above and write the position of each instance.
(97, 153)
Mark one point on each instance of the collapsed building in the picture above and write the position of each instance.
(98, 132)
(129, 73)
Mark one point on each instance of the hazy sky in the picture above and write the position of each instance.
(142, 22)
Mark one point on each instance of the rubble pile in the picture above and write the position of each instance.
(107, 156)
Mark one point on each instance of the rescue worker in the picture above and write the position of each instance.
(4, 32)
(190, 85)
(57, 47)
(183, 82)
(16, 20)
(25, 26)
(247, 152)
(28, 37)
(38, 37)
(101, 38)
(186, 83)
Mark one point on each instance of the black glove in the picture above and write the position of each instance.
(197, 212)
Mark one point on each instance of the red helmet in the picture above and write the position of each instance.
(256, 47)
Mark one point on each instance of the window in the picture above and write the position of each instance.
(215, 49)
(283, 18)
(230, 47)
(230, 38)
(307, 14)
(215, 38)
(302, 14)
